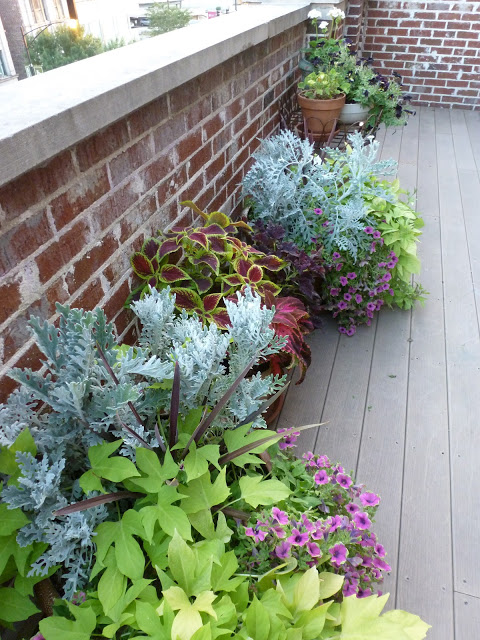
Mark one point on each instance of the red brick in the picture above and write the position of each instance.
(90, 298)
(214, 169)
(169, 132)
(58, 254)
(101, 145)
(130, 160)
(465, 35)
(122, 320)
(209, 80)
(130, 337)
(183, 96)
(24, 239)
(198, 112)
(241, 122)
(151, 115)
(87, 190)
(157, 171)
(30, 189)
(199, 160)
(213, 125)
(137, 218)
(84, 268)
(11, 300)
(116, 301)
(168, 188)
(189, 145)
(456, 25)
(191, 190)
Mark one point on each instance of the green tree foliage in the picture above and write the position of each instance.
(164, 18)
(52, 49)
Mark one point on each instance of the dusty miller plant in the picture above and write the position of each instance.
(289, 185)
(94, 390)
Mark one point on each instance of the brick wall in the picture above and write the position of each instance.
(435, 46)
(68, 228)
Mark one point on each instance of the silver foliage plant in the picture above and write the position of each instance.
(288, 184)
(82, 402)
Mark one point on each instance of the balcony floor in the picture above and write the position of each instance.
(402, 398)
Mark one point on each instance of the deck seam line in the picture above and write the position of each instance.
(447, 380)
(326, 392)
(469, 595)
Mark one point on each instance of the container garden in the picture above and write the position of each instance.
(321, 116)
(354, 112)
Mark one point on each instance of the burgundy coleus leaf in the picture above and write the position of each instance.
(210, 302)
(203, 284)
(153, 282)
(172, 273)
(255, 274)
(242, 266)
(272, 263)
(186, 299)
(221, 317)
(175, 257)
(199, 237)
(210, 260)
(273, 288)
(235, 242)
(141, 265)
(234, 280)
(150, 248)
(168, 246)
(214, 230)
(217, 245)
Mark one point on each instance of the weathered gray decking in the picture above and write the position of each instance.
(403, 397)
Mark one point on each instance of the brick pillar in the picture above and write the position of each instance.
(353, 26)
(12, 23)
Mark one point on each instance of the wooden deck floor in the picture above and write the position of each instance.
(403, 397)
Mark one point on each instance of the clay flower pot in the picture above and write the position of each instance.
(321, 115)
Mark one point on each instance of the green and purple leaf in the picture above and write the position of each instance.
(210, 260)
(255, 274)
(191, 205)
(186, 299)
(172, 273)
(217, 245)
(198, 237)
(242, 266)
(272, 263)
(220, 317)
(210, 302)
(214, 230)
(203, 284)
(141, 265)
(150, 248)
(168, 246)
(234, 280)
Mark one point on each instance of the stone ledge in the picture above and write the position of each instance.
(43, 115)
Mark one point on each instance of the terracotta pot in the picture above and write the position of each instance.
(354, 112)
(321, 115)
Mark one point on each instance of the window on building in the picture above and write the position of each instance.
(59, 15)
(38, 10)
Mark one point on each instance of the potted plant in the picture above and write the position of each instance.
(321, 97)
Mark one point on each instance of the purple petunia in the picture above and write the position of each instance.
(256, 534)
(313, 549)
(339, 266)
(380, 550)
(343, 280)
(364, 593)
(336, 255)
(334, 292)
(351, 331)
(342, 305)
(297, 538)
(280, 516)
(377, 234)
(352, 275)
(278, 531)
(347, 296)
(362, 521)
(321, 477)
(390, 264)
(369, 230)
(358, 298)
(381, 564)
(344, 480)
(342, 330)
(318, 212)
(339, 553)
(371, 306)
(282, 551)
(387, 276)
(348, 589)
(352, 508)
(369, 499)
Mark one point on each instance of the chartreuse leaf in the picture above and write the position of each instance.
(203, 522)
(307, 591)
(89, 481)
(330, 584)
(181, 561)
(11, 520)
(25, 443)
(237, 438)
(14, 606)
(10, 548)
(112, 584)
(57, 628)
(149, 621)
(413, 626)
(115, 469)
(154, 474)
(202, 494)
(204, 633)
(167, 516)
(197, 461)
(255, 490)
(222, 574)
(257, 620)
(118, 612)
(188, 619)
(312, 622)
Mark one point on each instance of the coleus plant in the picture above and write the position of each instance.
(204, 265)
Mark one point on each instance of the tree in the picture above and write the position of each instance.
(164, 18)
(64, 45)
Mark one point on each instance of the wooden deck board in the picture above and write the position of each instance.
(429, 517)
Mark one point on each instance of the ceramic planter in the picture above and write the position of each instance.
(354, 112)
(321, 115)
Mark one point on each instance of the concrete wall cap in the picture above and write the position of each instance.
(43, 115)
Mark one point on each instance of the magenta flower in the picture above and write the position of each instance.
(339, 553)
(282, 551)
(325, 224)
(371, 306)
(297, 538)
(358, 298)
(334, 292)
(342, 305)
(318, 212)
(348, 589)
(387, 276)
(38, 636)
(377, 234)
(336, 255)
(382, 265)
(79, 598)
(323, 461)
(369, 230)
(352, 508)
(352, 275)
(372, 247)
(321, 477)
(342, 330)
(344, 480)
(308, 456)
(278, 531)
(351, 331)
(362, 521)
(390, 264)
(334, 523)
(391, 292)
(313, 549)
(339, 266)
(369, 499)
(347, 296)
(309, 526)
(318, 533)
(343, 280)
(380, 550)
(257, 535)
(280, 516)
(381, 564)
(364, 593)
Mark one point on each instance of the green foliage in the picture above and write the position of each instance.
(52, 49)
(323, 85)
(164, 18)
